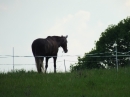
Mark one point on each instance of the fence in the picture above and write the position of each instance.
(64, 59)
(14, 61)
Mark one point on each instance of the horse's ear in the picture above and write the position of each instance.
(66, 36)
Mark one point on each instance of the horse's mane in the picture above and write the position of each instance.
(58, 38)
(53, 37)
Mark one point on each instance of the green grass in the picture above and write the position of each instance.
(89, 83)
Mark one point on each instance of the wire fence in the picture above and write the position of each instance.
(14, 64)
(64, 61)
(122, 54)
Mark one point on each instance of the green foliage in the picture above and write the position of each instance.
(119, 33)
(90, 83)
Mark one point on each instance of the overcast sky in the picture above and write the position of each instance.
(22, 21)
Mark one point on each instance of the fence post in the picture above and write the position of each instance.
(64, 65)
(115, 44)
(116, 59)
(13, 59)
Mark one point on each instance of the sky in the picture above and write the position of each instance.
(22, 21)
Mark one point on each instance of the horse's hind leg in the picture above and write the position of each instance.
(39, 64)
(54, 58)
(42, 64)
(46, 66)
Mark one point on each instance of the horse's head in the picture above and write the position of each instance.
(64, 43)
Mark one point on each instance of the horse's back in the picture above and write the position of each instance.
(42, 46)
(38, 42)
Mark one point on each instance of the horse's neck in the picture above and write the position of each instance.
(59, 41)
(53, 39)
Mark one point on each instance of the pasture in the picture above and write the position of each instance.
(87, 83)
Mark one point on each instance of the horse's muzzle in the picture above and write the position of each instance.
(66, 51)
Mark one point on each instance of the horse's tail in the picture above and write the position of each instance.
(37, 59)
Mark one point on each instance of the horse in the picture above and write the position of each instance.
(47, 47)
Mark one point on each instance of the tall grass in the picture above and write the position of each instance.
(87, 83)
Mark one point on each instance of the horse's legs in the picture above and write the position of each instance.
(54, 58)
(46, 64)
(39, 63)
(42, 64)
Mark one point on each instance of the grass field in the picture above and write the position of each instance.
(89, 83)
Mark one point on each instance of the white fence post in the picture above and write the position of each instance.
(64, 65)
(13, 59)
(115, 44)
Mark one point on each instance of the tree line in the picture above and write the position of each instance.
(104, 48)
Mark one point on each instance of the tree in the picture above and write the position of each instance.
(104, 48)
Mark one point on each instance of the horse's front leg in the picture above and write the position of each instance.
(46, 64)
(54, 58)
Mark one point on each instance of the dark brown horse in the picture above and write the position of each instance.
(48, 48)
